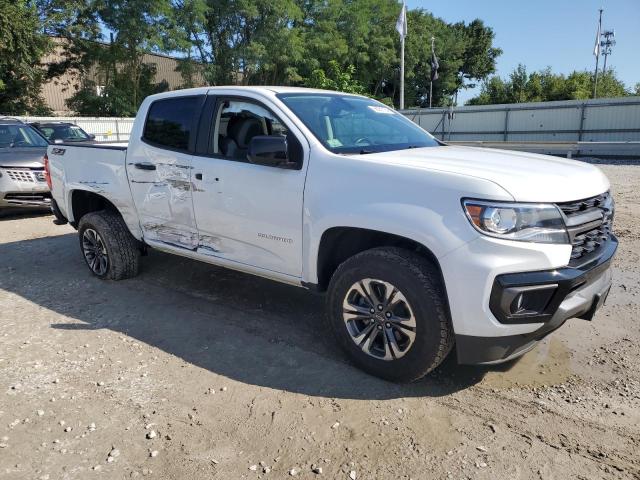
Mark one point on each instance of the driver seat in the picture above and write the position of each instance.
(240, 131)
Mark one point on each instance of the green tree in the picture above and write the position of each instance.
(545, 86)
(336, 78)
(118, 68)
(295, 42)
(22, 46)
(241, 41)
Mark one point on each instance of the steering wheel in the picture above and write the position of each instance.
(363, 142)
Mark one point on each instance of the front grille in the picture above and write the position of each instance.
(25, 175)
(589, 223)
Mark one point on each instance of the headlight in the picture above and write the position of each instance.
(527, 222)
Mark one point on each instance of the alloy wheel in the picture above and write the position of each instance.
(95, 252)
(379, 319)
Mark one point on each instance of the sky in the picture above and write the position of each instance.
(556, 33)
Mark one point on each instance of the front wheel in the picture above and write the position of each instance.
(387, 308)
(108, 247)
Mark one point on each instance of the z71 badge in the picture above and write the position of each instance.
(58, 151)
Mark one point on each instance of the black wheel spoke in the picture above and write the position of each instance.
(95, 252)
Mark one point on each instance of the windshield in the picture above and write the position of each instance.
(67, 133)
(350, 124)
(14, 136)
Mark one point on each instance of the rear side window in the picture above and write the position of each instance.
(170, 122)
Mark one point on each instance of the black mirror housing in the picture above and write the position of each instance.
(271, 151)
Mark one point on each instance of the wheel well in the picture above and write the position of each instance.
(83, 202)
(339, 243)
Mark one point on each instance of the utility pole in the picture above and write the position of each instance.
(596, 52)
(606, 44)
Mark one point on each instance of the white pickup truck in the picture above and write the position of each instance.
(420, 245)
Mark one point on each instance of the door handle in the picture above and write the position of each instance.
(144, 166)
(198, 176)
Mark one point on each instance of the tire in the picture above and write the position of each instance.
(418, 305)
(113, 240)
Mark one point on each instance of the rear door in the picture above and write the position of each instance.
(159, 170)
(246, 213)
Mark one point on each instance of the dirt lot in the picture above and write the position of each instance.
(193, 372)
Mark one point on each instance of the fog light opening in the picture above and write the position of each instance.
(528, 300)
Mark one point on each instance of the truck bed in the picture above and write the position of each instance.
(92, 168)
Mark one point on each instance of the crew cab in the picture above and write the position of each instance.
(418, 245)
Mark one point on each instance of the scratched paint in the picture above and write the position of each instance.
(98, 187)
(172, 235)
(163, 197)
(209, 244)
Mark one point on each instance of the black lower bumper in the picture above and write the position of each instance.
(555, 296)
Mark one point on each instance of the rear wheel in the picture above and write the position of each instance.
(388, 310)
(108, 247)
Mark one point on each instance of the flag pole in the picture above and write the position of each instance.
(596, 52)
(431, 79)
(402, 72)
(401, 28)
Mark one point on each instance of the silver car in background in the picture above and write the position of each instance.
(22, 180)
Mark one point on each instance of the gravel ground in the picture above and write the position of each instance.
(190, 371)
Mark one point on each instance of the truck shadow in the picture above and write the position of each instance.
(23, 213)
(236, 325)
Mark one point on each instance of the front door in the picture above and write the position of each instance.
(159, 171)
(247, 213)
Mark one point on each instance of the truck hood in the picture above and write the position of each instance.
(528, 177)
(22, 157)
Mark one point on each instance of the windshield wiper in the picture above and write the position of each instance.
(364, 151)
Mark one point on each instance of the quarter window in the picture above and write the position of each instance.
(170, 122)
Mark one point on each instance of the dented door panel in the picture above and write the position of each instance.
(163, 196)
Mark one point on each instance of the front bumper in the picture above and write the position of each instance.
(23, 187)
(571, 292)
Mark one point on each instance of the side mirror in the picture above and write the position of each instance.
(270, 151)
(92, 136)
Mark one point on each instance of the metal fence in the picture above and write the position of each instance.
(106, 129)
(572, 126)
(602, 120)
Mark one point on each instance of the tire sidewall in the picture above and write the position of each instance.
(427, 305)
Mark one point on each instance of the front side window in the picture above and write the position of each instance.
(350, 124)
(18, 136)
(237, 122)
(170, 122)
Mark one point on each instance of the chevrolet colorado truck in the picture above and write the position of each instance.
(419, 245)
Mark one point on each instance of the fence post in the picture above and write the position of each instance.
(506, 125)
(117, 131)
(444, 114)
(582, 112)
